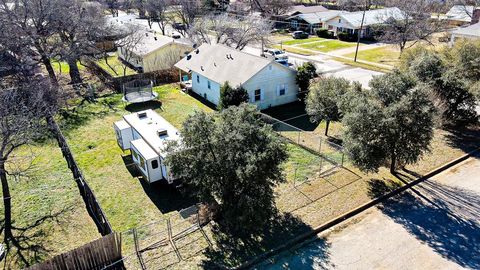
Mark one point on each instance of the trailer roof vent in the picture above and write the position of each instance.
(162, 132)
(142, 115)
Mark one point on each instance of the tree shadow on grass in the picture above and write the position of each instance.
(379, 187)
(166, 197)
(466, 139)
(438, 221)
(312, 255)
(294, 114)
(232, 250)
(149, 105)
(29, 245)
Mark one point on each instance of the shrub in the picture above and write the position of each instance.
(324, 33)
(347, 37)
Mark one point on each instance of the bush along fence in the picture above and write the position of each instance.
(157, 77)
(104, 253)
(93, 207)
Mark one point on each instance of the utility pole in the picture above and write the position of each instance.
(367, 6)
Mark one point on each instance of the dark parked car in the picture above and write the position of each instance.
(299, 35)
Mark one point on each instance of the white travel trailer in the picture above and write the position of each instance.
(145, 134)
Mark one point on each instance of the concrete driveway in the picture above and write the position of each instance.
(434, 226)
(327, 66)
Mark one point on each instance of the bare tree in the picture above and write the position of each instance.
(22, 110)
(271, 7)
(156, 10)
(413, 25)
(28, 28)
(86, 25)
(129, 45)
(112, 6)
(186, 11)
(230, 31)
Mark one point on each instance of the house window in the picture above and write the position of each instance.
(198, 79)
(258, 95)
(135, 155)
(208, 85)
(281, 90)
(339, 20)
(154, 164)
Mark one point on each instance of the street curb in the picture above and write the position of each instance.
(335, 221)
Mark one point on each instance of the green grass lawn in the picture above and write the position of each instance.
(294, 50)
(129, 202)
(61, 67)
(47, 194)
(302, 41)
(386, 55)
(115, 67)
(328, 46)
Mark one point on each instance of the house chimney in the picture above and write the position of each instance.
(201, 68)
(476, 16)
(146, 34)
(155, 38)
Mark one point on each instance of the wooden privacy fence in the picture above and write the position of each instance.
(158, 77)
(93, 207)
(103, 253)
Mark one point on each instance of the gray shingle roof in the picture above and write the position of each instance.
(220, 63)
(472, 30)
(374, 16)
(318, 17)
(460, 13)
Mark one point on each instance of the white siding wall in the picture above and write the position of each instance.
(270, 80)
(335, 23)
(201, 88)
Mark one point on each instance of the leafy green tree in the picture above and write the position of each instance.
(390, 123)
(322, 102)
(231, 161)
(448, 85)
(305, 73)
(232, 96)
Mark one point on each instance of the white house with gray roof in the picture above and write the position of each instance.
(267, 82)
(311, 21)
(351, 22)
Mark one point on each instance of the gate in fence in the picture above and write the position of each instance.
(166, 242)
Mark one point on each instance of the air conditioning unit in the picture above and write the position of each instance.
(142, 115)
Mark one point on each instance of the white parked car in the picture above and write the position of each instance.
(279, 55)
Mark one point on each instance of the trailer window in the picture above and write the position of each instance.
(154, 164)
(142, 163)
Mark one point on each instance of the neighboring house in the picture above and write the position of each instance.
(460, 15)
(153, 52)
(146, 134)
(282, 20)
(312, 21)
(267, 82)
(350, 22)
(469, 32)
